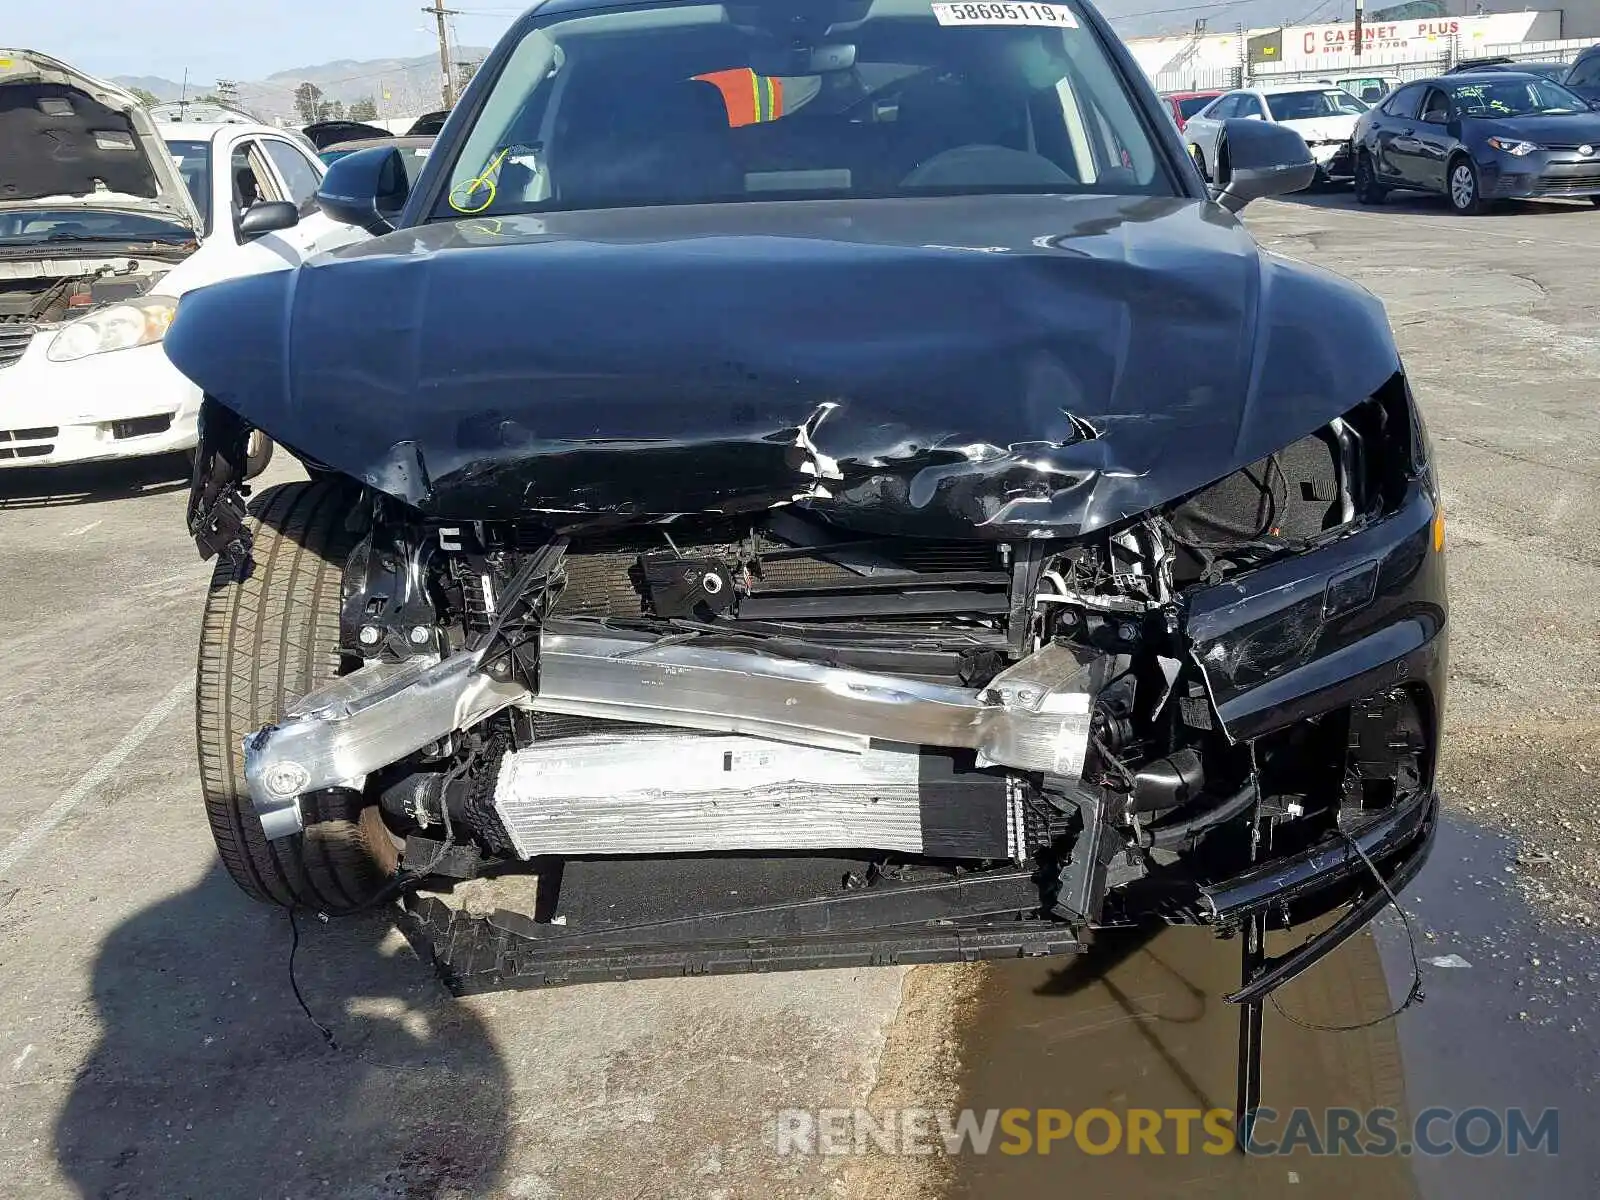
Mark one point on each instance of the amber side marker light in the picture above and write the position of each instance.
(1438, 528)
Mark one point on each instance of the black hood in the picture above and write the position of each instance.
(994, 367)
(1549, 129)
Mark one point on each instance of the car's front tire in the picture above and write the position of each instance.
(1199, 158)
(266, 640)
(1462, 187)
(1368, 189)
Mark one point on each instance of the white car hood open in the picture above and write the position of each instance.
(67, 138)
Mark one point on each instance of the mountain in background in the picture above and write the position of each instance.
(398, 86)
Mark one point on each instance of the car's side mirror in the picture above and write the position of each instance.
(268, 216)
(1263, 159)
(367, 189)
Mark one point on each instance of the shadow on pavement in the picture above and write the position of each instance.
(1426, 204)
(91, 483)
(209, 1081)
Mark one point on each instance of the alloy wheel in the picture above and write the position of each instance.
(1463, 187)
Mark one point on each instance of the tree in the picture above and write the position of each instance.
(308, 103)
(464, 73)
(145, 97)
(364, 109)
(332, 110)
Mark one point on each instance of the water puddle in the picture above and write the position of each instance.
(1508, 1023)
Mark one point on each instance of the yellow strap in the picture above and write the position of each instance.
(488, 181)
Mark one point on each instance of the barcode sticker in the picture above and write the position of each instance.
(1055, 15)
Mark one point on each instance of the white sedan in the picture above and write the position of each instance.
(106, 220)
(1324, 116)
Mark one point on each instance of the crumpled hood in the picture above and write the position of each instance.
(1324, 129)
(66, 135)
(993, 367)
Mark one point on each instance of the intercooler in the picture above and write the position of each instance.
(643, 737)
(672, 792)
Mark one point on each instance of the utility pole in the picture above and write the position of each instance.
(1360, 6)
(440, 12)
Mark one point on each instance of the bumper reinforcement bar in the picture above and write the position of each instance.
(1034, 716)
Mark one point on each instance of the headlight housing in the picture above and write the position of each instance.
(1355, 468)
(116, 327)
(1512, 146)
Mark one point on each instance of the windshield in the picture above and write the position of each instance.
(1325, 102)
(1370, 89)
(1193, 104)
(693, 103)
(36, 226)
(1513, 97)
(194, 164)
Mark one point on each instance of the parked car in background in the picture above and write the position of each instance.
(413, 152)
(323, 134)
(1324, 116)
(1480, 137)
(429, 124)
(107, 220)
(1545, 70)
(1366, 88)
(1183, 105)
(1583, 77)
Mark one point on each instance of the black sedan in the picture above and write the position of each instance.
(1477, 138)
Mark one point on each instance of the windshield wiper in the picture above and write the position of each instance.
(124, 238)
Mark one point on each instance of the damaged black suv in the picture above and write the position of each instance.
(817, 482)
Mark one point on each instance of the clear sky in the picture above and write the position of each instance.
(236, 39)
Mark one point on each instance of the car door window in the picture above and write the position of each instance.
(1435, 107)
(252, 177)
(1404, 104)
(298, 174)
(1250, 106)
(1224, 108)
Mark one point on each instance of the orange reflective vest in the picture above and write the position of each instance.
(750, 98)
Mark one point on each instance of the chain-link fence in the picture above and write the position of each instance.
(1415, 68)
(1562, 51)
(1185, 79)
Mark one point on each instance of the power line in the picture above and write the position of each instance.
(1113, 18)
(1313, 12)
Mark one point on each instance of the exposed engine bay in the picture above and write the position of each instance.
(44, 292)
(1060, 716)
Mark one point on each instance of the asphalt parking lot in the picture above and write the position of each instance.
(151, 1046)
